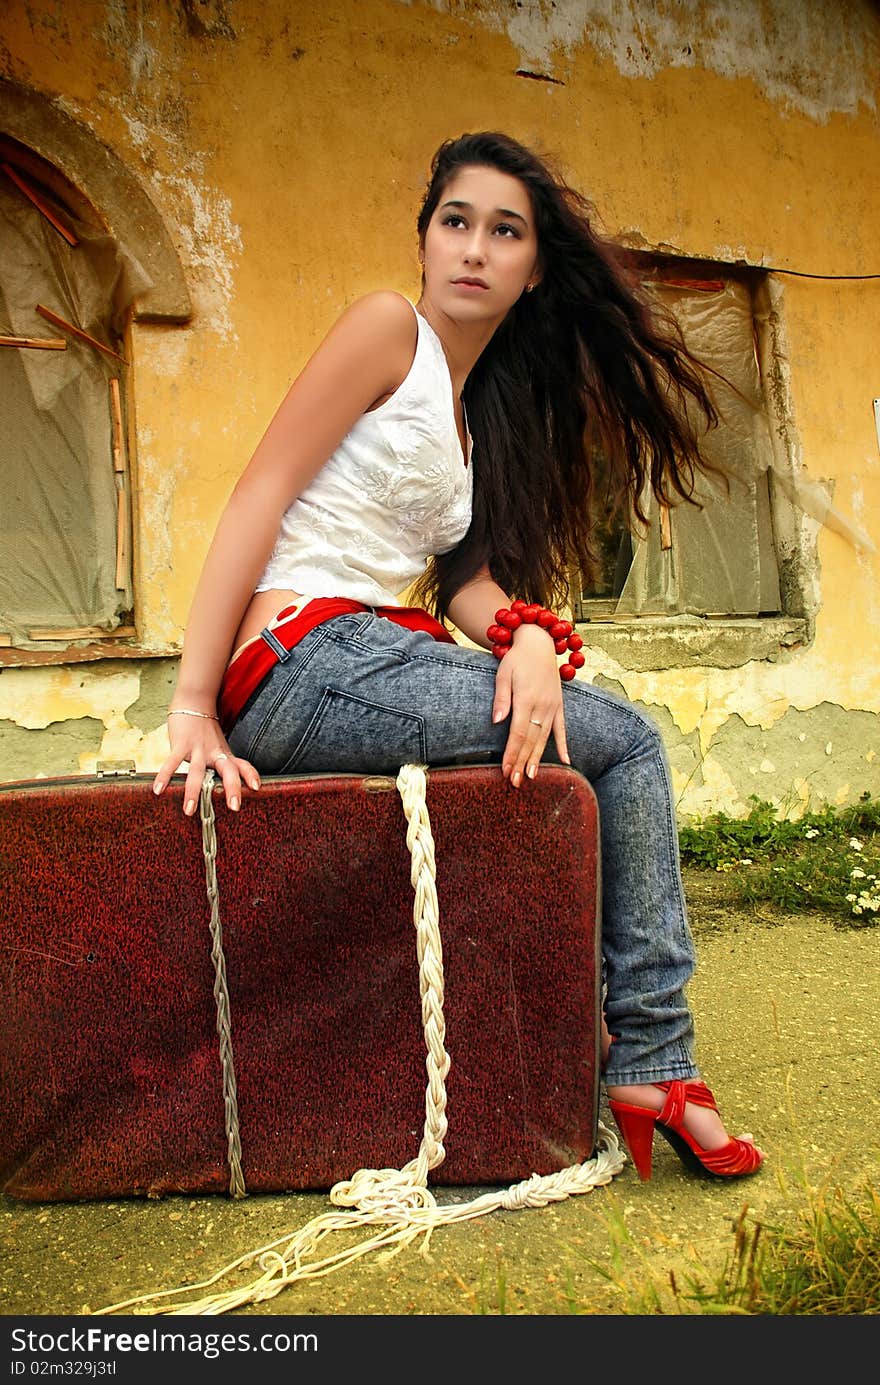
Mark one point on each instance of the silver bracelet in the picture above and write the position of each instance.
(188, 712)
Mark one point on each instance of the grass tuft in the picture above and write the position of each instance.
(827, 1263)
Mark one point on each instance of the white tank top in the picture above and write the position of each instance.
(396, 491)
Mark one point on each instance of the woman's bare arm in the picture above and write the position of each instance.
(364, 357)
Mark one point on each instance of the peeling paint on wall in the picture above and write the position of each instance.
(208, 18)
(25, 755)
(790, 764)
(811, 57)
(36, 697)
(65, 721)
(123, 32)
(806, 758)
(211, 238)
(157, 680)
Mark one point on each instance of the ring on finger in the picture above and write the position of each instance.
(221, 756)
(532, 722)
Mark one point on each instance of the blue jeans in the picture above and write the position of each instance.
(360, 694)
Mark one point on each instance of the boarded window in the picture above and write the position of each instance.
(65, 290)
(720, 559)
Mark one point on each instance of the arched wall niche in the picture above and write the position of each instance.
(69, 159)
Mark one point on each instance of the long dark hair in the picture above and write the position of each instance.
(584, 365)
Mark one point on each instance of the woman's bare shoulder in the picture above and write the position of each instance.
(383, 311)
(373, 340)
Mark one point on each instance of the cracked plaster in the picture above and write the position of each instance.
(804, 57)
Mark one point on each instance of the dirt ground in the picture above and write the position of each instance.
(786, 1013)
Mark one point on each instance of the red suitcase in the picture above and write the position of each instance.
(110, 1071)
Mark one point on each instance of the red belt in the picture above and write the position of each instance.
(244, 674)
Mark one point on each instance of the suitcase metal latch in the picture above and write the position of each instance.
(115, 769)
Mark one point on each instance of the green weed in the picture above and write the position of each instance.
(827, 860)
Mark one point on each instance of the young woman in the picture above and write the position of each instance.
(449, 444)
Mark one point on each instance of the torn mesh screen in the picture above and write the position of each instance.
(58, 502)
(722, 559)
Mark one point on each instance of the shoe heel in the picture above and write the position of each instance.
(636, 1125)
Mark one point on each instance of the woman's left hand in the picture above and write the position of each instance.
(528, 690)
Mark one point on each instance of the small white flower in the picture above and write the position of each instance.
(851, 898)
(811, 832)
(855, 843)
(746, 861)
(857, 874)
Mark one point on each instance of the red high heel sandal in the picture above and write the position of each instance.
(736, 1159)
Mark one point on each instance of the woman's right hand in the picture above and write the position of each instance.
(199, 743)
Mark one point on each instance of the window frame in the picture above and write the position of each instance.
(666, 640)
(99, 187)
(32, 178)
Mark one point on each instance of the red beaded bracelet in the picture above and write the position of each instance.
(562, 633)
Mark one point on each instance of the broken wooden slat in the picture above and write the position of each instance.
(121, 536)
(38, 343)
(116, 413)
(84, 632)
(665, 528)
(66, 326)
(698, 285)
(40, 205)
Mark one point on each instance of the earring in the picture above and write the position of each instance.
(529, 288)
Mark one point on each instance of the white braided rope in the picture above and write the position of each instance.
(397, 1201)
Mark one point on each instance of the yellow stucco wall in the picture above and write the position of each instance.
(286, 148)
